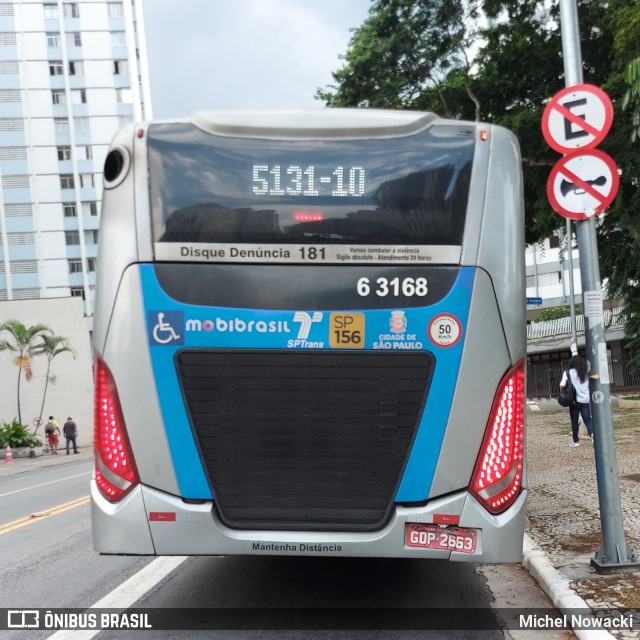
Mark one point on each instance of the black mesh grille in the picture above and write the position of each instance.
(304, 440)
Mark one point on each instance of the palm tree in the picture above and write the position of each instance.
(22, 342)
(51, 346)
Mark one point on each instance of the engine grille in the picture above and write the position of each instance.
(304, 440)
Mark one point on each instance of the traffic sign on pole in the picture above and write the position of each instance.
(578, 117)
(583, 184)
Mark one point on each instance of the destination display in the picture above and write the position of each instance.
(301, 200)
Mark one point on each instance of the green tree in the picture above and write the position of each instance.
(51, 346)
(24, 343)
(404, 49)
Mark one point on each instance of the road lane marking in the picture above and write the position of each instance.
(44, 484)
(127, 594)
(42, 515)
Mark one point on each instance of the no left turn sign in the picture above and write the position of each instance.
(577, 117)
(583, 184)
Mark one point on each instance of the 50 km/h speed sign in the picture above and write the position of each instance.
(577, 117)
(583, 184)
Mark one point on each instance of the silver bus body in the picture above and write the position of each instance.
(167, 323)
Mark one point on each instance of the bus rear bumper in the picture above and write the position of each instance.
(151, 522)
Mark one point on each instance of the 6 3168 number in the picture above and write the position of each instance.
(407, 287)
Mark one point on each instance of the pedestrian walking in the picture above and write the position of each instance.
(577, 374)
(70, 431)
(52, 431)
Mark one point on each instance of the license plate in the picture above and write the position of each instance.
(431, 536)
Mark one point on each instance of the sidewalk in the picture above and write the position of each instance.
(22, 465)
(563, 513)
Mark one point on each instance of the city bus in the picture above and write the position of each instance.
(310, 338)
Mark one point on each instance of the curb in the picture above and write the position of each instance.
(556, 586)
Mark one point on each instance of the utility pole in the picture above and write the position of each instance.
(572, 298)
(614, 555)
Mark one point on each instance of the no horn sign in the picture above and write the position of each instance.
(582, 184)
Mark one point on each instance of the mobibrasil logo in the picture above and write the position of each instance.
(170, 327)
(237, 325)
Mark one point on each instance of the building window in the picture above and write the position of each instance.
(74, 39)
(21, 238)
(76, 68)
(61, 125)
(78, 96)
(116, 9)
(91, 236)
(86, 180)
(70, 10)
(11, 124)
(66, 181)
(90, 208)
(9, 66)
(58, 96)
(91, 264)
(118, 39)
(77, 292)
(25, 294)
(69, 209)
(124, 96)
(120, 67)
(13, 153)
(23, 266)
(53, 39)
(72, 238)
(50, 11)
(16, 210)
(82, 125)
(10, 95)
(75, 266)
(7, 38)
(64, 153)
(554, 242)
(16, 182)
(84, 153)
(56, 68)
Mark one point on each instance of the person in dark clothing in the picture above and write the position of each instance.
(577, 372)
(70, 431)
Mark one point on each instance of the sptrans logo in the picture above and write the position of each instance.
(306, 321)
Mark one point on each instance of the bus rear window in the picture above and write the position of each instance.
(377, 191)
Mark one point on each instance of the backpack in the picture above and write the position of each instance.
(48, 428)
(568, 397)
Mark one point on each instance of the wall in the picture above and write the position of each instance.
(72, 393)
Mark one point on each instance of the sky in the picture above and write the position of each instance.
(207, 55)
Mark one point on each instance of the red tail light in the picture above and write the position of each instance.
(115, 468)
(497, 478)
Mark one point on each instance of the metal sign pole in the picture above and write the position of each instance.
(572, 298)
(614, 554)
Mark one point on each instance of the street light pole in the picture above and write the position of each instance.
(614, 555)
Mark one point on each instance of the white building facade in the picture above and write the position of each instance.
(71, 74)
(548, 274)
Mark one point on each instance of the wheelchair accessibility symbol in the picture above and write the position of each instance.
(165, 327)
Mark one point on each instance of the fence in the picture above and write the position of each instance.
(562, 326)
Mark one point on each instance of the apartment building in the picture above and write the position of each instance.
(71, 73)
(548, 274)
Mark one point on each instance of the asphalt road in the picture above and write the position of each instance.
(48, 562)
